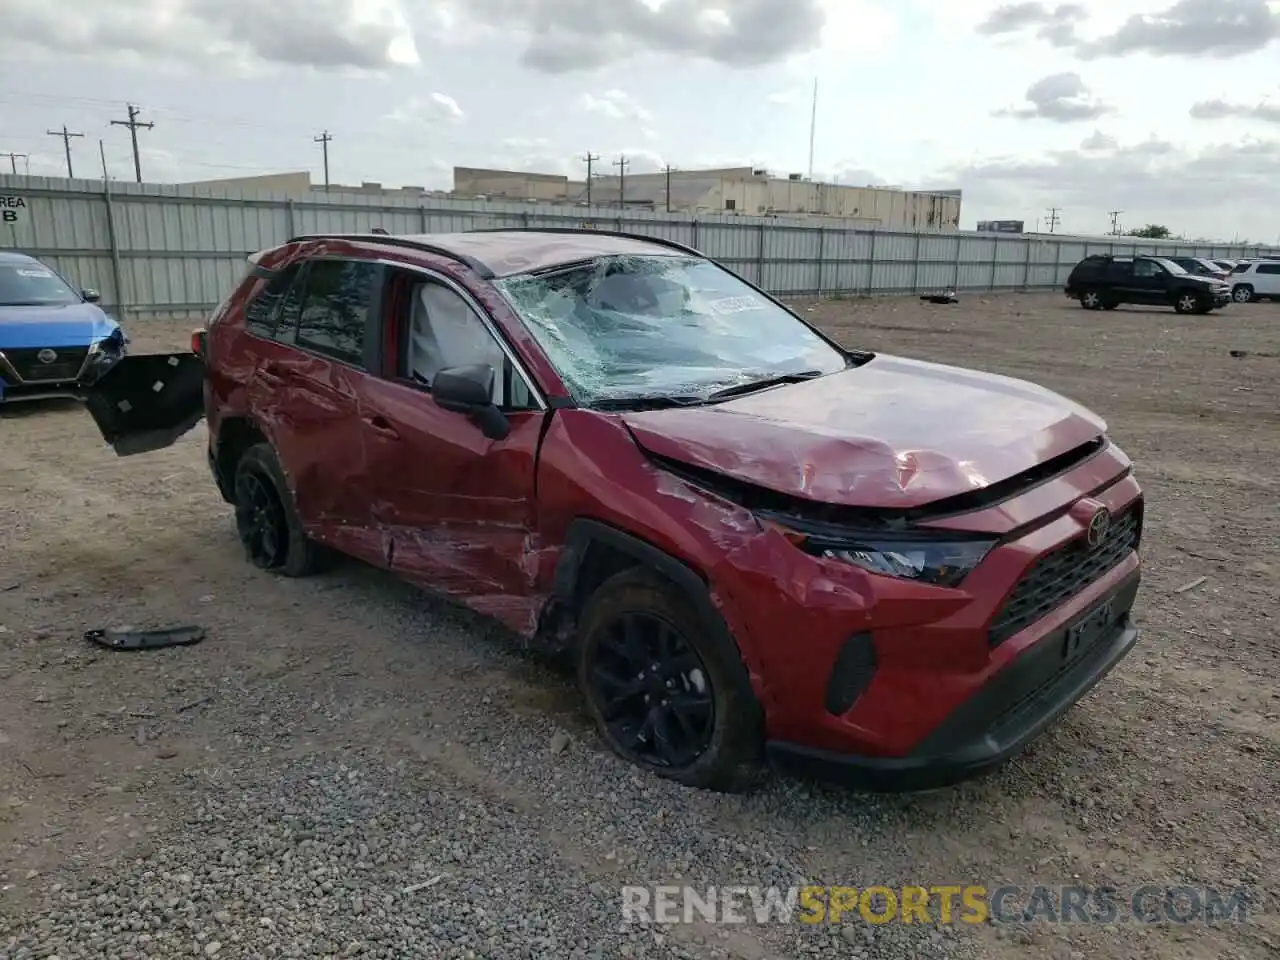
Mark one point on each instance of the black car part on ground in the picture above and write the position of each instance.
(129, 638)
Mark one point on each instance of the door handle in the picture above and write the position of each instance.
(382, 426)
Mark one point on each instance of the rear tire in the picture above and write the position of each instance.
(668, 693)
(1091, 299)
(267, 520)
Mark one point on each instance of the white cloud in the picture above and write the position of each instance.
(431, 109)
(616, 105)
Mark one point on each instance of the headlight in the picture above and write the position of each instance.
(103, 355)
(924, 557)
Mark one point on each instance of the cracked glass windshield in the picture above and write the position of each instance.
(620, 328)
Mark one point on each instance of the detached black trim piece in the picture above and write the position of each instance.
(126, 638)
(1014, 708)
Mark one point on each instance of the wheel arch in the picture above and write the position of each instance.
(595, 551)
(235, 435)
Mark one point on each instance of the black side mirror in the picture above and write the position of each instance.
(90, 295)
(469, 390)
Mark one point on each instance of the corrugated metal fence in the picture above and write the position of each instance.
(170, 250)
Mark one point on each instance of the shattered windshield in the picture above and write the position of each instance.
(32, 285)
(618, 328)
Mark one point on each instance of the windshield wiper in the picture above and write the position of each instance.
(644, 403)
(763, 383)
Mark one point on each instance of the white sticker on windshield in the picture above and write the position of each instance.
(736, 304)
(41, 274)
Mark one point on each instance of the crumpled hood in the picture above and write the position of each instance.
(893, 433)
(62, 325)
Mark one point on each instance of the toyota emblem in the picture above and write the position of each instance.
(1099, 524)
(46, 356)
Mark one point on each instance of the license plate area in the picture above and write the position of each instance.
(1082, 635)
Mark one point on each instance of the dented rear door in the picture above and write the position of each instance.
(147, 401)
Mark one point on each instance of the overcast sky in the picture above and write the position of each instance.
(1168, 111)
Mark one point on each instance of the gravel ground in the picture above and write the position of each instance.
(347, 767)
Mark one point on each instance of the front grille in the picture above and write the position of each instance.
(1057, 577)
(27, 364)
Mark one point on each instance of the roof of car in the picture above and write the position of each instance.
(12, 256)
(505, 253)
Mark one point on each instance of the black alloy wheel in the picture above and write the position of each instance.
(653, 691)
(260, 520)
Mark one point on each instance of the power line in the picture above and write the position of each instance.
(590, 160)
(324, 139)
(66, 136)
(133, 123)
(1115, 222)
(13, 160)
(1054, 218)
(622, 163)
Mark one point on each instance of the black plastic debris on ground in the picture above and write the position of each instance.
(943, 298)
(128, 638)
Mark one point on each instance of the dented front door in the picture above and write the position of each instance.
(456, 509)
(147, 401)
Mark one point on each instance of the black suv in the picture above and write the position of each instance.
(1103, 282)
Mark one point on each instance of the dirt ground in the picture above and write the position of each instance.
(1168, 773)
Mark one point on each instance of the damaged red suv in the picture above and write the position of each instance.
(755, 543)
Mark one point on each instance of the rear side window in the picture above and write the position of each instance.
(334, 308)
(262, 314)
(1120, 270)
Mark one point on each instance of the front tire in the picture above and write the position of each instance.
(267, 520)
(1190, 302)
(1091, 299)
(667, 692)
(1242, 293)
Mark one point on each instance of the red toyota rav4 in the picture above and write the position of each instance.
(754, 542)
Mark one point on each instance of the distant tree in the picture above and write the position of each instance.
(1152, 231)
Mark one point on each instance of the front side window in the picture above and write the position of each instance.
(444, 331)
(1269, 268)
(32, 284)
(334, 308)
(635, 327)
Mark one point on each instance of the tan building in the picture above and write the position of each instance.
(756, 193)
(475, 182)
(740, 190)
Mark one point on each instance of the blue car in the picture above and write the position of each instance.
(54, 339)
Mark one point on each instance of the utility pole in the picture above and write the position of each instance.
(66, 136)
(590, 160)
(102, 154)
(13, 160)
(323, 140)
(133, 123)
(668, 170)
(1115, 222)
(622, 163)
(1053, 218)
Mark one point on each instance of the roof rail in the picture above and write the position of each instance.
(658, 241)
(409, 243)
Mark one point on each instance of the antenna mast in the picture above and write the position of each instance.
(813, 125)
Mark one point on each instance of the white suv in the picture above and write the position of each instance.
(1255, 280)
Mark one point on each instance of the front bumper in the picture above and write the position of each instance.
(1018, 704)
